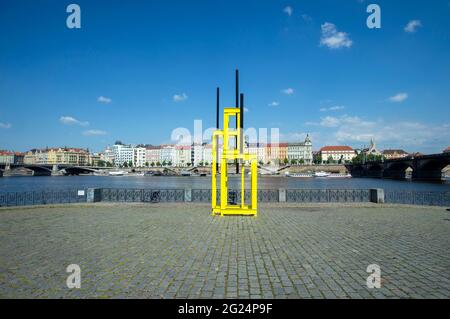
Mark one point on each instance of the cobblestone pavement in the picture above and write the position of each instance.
(179, 251)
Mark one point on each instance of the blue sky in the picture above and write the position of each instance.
(136, 70)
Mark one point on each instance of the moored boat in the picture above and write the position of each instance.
(300, 175)
(117, 173)
(321, 174)
(339, 176)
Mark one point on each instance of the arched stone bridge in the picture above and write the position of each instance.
(48, 169)
(425, 167)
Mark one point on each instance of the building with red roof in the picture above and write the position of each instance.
(337, 153)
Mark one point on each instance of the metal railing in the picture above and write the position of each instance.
(434, 198)
(141, 195)
(264, 195)
(59, 196)
(418, 198)
(327, 195)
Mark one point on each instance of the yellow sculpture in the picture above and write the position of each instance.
(234, 153)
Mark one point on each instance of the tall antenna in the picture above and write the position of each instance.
(236, 162)
(217, 107)
(237, 88)
(242, 121)
(217, 122)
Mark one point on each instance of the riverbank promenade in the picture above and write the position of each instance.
(135, 250)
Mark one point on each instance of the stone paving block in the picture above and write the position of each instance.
(180, 251)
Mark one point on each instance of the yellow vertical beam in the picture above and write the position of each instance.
(254, 181)
(214, 174)
(226, 120)
(242, 186)
(223, 166)
(238, 129)
(223, 186)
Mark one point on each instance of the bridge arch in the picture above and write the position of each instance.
(432, 164)
(398, 170)
(77, 170)
(39, 170)
(430, 168)
(375, 170)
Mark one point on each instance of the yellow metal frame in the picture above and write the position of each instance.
(228, 155)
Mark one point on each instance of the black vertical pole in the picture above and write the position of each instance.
(237, 106)
(242, 121)
(217, 107)
(217, 125)
(237, 88)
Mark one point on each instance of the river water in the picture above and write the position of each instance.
(35, 183)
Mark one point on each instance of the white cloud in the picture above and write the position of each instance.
(104, 100)
(288, 10)
(409, 135)
(413, 135)
(5, 125)
(412, 26)
(69, 120)
(288, 91)
(293, 136)
(332, 108)
(180, 97)
(246, 109)
(274, 103)
(329, 121)
(94, 133)
(334, 39)
(399, 97)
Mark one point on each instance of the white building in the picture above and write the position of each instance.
(167, 154)
(182, 155)
(337, 153)
(300, 151)
(196, 154)
(153, 154)
(107, 155)
(259, 150)
(207, 154)
(122, 154)
(139, 157)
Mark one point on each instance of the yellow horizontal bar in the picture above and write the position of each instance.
(232, 110)
(238, 212)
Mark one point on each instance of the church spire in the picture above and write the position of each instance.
(307, 139)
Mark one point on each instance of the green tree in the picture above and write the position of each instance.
(101, 163)
(164, 163)
(330, 160)
(152, 164)
(302, 161)
(169, 163)
(130, 164)
(285, 161)
(125, 164)
(358, 159)
(261, 163)
(206, 163)
(374, 158)
(158, 164)
(146, 164)
(109, 164)
(318, 159)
